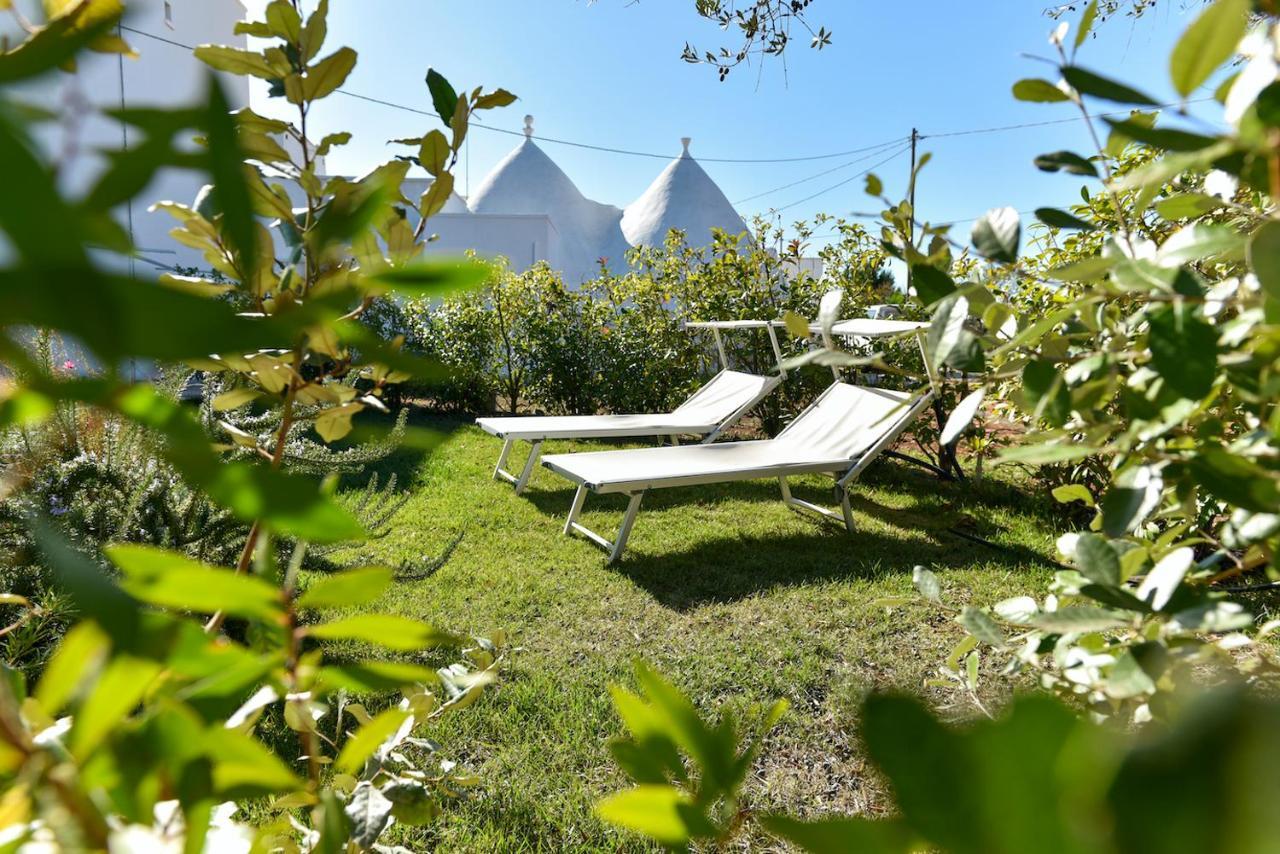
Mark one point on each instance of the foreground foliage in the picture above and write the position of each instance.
(143, 721)
(1146, 346)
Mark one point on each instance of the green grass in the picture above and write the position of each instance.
(733, 596)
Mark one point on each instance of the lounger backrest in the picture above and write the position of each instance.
(723, 397)
(847, 420)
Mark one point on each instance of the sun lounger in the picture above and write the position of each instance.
(840, 434)
(710, 411)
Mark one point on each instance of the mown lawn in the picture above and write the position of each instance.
(728, 592)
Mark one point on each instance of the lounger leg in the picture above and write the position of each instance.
(844, 506)
(534, 452)
(633, 507)
(845, 515)
(578, 497)
(616, 547)
(500, 469)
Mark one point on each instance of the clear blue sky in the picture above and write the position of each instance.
(608, 73)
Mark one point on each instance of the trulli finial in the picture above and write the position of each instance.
(685, 140)
(528, 127)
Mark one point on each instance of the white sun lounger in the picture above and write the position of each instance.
(710, 411)
(840, 433)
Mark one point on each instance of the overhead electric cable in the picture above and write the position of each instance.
(592, 147)
(901, 151)
(816, 175)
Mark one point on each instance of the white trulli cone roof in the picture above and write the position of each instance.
(683, 197)
(529, 182)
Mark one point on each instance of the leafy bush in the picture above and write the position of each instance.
(140, 730)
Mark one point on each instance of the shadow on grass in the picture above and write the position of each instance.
(425, 433)
(726, 569)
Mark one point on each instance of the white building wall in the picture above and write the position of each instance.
(523, 239)
(163, 75)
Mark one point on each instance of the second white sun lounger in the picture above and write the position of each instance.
(711, 410)
(841, 433)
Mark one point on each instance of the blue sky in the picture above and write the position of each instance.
(608, 73)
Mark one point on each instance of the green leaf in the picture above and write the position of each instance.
(434, 152)
(1264, 257)
(56, 44)
(1236, 479)
(1209, 774)
(235, 398)
(243, 768)
(350, 588)
(1134, 495)
(1088, 83)
(1046, 392)
(926, 582)
(928, 768)
(962, 415)
(1061, 219)
(328, 74)
(931, 284)
(1088, 270)
(370, 814)
(388, 630)
(1201, 242)
(1073, 492)
(284, 21)
(231, 194)
(435, 279)
(1169, 139)
(359, 747)
(496, 98)
(1039, 91)
(443, 97)
(662, 813)
(235, 61)
(1187, 206)
(80, 652)
(172, 580)
(1086, 23)
(1066, 161)
(1097, 560)
(375, 676)
(979, 624)
(838, 835)
(1210, 41)
(39, 225)
(997, 233)
(90, 591)
(1078, 619)
(1163, 579)
(1184, 349)
(313, 34)
(117, 691)
(946, 331)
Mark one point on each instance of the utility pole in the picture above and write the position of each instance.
(911, 198)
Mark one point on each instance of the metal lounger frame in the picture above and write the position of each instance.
(521, 481)
(844, 473)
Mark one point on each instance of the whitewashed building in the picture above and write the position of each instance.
(528, 210)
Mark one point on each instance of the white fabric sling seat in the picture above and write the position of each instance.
(708, 412)
(841, 433)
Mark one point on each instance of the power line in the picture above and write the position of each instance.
(740, 160)
(817, 175)
(1003, 128)
(824, 191)
(589, 146)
